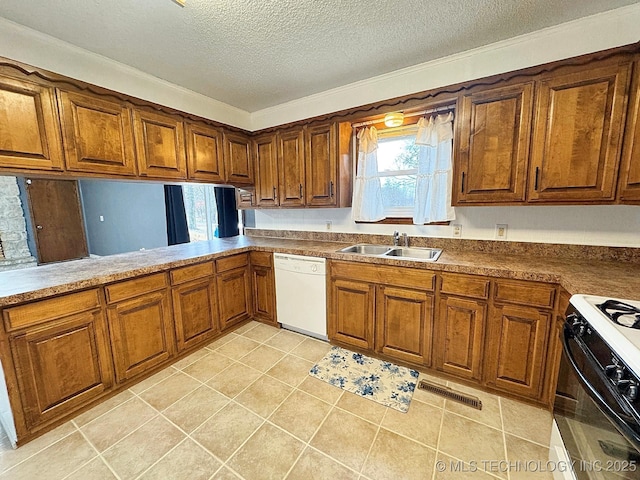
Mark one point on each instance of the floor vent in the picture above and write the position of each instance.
(451, 394)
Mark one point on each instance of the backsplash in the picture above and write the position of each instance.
(608, 225)
(548, 251)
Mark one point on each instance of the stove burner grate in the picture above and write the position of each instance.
(621, 313)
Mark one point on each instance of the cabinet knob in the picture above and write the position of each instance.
(39, 227)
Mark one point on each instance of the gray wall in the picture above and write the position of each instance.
(134, 216)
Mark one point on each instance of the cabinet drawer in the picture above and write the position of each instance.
(234, 261)
(192, 272)
(262, 259)
(51, 309)
(525, 293)
(384, 275)
(133, 288)
(466, 286)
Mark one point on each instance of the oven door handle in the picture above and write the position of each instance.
(622, 425)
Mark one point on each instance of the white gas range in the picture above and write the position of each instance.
(597, 408)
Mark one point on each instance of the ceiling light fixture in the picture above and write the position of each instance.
(394, 119)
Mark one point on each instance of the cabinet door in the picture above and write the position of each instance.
(195, 312)
(321, 166)
(141, 334)
(352, 306)
(264, 288)
(517, 349)
(234, 299)
(494, 127)
(291, 168)
(237, 159)
(266, 164)
(630, 168)
(404, 324)
(97, 134)
(576, 141)
(460, 337)
(29, 126)
(159, 145)
(62, 365)
(204, 153)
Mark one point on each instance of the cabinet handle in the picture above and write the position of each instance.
(300, 190)
(535, 183)
(331, 188)
(462, 189)
(274, 193)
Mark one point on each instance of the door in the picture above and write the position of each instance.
(29, 127)
(141, 333)
(630, 168)
(494, 127)
(265, 159)
(321, 165)
(204, 153)
(159, 145)
(234, 298)
(460, 337)
(62, 365)
(97, 134)
(264, 289)
(352, 311)
(291, 168)
(57, 218)
(195, 312)
(404, 324)
(575, 149)
(516, 351)
(237, 159)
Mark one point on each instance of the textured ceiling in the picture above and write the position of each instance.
(255, 54)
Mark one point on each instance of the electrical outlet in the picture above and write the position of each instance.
(328, 223)
(457, 230)
(501, 231)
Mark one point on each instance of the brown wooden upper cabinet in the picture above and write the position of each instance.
(237, 159)
(494, 128)
(291, 167)
(159, 145)
(29, 134)
(97, 134)
(579, 120)
(265, 157)
(205, 158)
(321, 165)
(630, 168)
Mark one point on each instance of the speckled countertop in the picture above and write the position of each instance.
(597, 277)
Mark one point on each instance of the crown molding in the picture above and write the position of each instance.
(585, 35)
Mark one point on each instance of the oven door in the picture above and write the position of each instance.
(590, 420)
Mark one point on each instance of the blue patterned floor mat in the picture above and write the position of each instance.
(382, 382)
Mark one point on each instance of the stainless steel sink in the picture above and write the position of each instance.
(367, 249)
(408, 253)
(415, 253)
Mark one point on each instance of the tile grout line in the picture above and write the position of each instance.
(504, 438)
(99, 454)
(444, 410)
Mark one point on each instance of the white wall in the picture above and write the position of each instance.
(610, 225)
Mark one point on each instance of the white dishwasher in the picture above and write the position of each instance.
(301, 293)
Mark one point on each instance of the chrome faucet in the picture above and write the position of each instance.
(396, 238)
(405, 240)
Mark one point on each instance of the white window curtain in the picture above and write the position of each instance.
(367, 192)
(435, 171)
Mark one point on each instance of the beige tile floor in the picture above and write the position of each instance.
(245, 407)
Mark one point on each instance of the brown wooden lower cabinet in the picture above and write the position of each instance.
(195, 312)
(351, 313)
(516, 352)
(141, 329)
(404, 324)
(234, 289)
(264, 288)
(460, 337)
